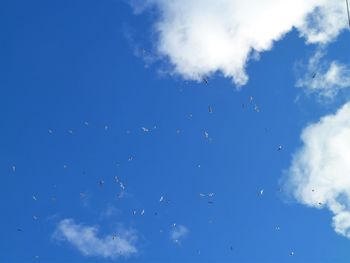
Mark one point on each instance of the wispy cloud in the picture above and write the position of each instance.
(319, 173)
(89, 243)
(324, 78)
(178, 233)
(201, 37)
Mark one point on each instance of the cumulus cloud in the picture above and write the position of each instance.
(325, 78)
(178, 232)
(319, 175)
(201, 37)
(86, 240)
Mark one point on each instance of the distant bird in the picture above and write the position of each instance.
(101, 182)
(34, 198)
(106, 127)
(19, 230)
(161, 199)
(277, 228)
(86, 123)
(211, 194)
(291, 253)
(205, 80)
(130, 158)
(314, 75)
(251, 99)
(206, 134)
(143, 212)
(280, 148)
(210, 109)
(261, 192)
(122, 186)
(70, 131)
(35, 217)
(145, 129)
(134, 212)
(50, 131)
(13, 168)
(202, 195)
(256, 108)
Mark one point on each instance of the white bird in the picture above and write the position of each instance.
(211, 194)
(143, 212)
(122, 186)
(291, 253)
(13, 168)
(256, 108)
(34, 198)
(261, 192)
(145, 129)
(161, 199)
(86, 123)
(280, 147)
(206, 134)
(50, 131)
(202, 195)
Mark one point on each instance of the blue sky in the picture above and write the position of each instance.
(79, 81)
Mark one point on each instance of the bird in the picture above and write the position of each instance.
(205, 81)
(256, 108)
(101, 182)
(161, 199)
(143, 212)
(210, 109)
(206, 134)
(279, 148)
(145, 129)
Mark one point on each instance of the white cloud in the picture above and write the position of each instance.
(319, 175)
(201, 37)
(178, 232)
(86, 240)
(323, 77)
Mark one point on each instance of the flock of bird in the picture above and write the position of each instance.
(208, 196)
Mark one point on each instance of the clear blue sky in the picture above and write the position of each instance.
(64, 63)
